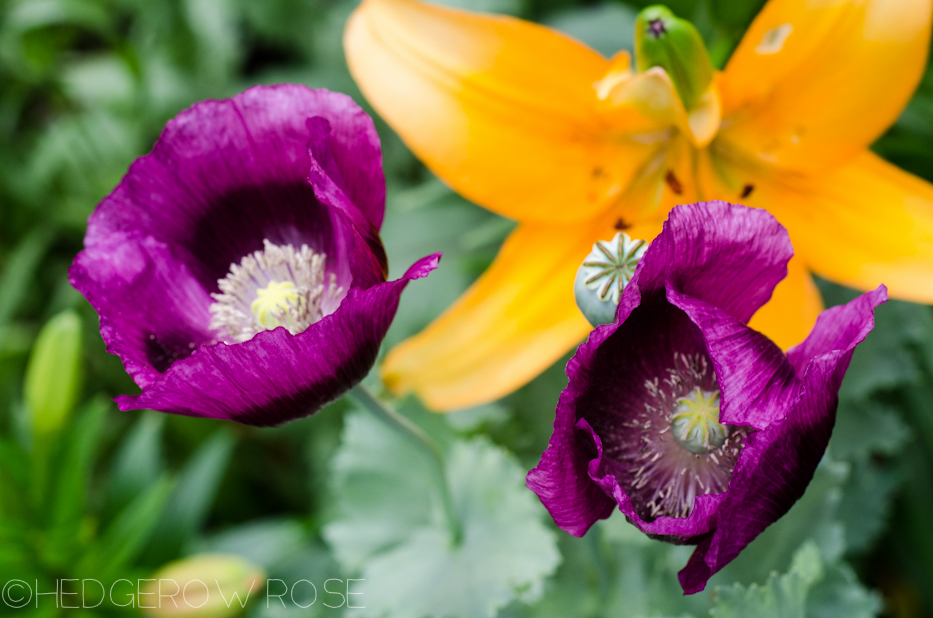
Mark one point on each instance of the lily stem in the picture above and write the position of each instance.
(365, 398)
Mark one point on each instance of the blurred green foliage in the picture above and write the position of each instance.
(85, 88)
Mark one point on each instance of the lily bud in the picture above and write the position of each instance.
(604, 274)
(203, 586)
(53, 375)
(663, 40)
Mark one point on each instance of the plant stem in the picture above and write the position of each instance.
(378, 408)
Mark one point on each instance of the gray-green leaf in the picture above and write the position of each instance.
(389, 527)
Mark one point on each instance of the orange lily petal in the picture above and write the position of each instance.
(812, 83)
(789, 316)
(863, 224)
(502, 109)
(514, 322)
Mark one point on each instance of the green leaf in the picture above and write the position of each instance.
(812, 518)
(15, 512)
(124, 539)
(642, 574)
(31, 34)
(138, 462)
(811, 589)
(866, 504)
(314, 563)
(31, 14)
(389, 526)
(616, 570)
(377, 471)
(194, 494)
(20, 270)
(214, 24)
(867, 428)
(783, 596)
(734, 16)
(74, 469)
(867, 434)
(104, 79)
(265, 543)
(87, 154)
(471, 420)
(14, 477)
(60, 483)
(840, 595)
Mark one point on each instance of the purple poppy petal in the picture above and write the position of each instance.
(641, 394)
(275, 376)
(225, 175)
(605, 473)
(612, 367)
(754, 376)
(354, 144)
(725, 254)
(736, 260)
(835, 327)
(153, 311)
(560, 480)
(777, 463)
(326, 179)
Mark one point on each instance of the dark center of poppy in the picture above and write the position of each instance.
(672, 447)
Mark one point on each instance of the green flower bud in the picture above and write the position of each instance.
(53, 375)
(663, 40)
(202, 586)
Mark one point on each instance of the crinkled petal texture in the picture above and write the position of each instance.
(226, 174)
(700, 281)
(283, 163)
(276, 376)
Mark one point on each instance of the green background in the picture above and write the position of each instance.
(87, 491)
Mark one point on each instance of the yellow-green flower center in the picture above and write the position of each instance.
(273, 301)
(695, 423)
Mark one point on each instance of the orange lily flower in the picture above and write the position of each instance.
(537, 127)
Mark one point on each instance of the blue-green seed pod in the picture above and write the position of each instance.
(604, 274)
(663, 40)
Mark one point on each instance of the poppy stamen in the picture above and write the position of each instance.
(278, 286)
(673, 444)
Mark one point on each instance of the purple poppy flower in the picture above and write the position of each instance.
(699, 428)
(237, 269)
